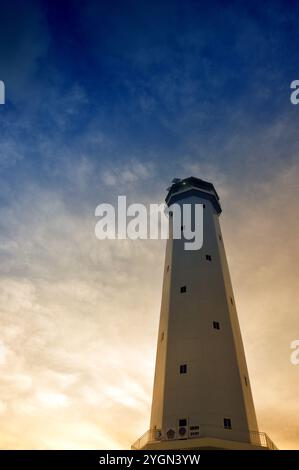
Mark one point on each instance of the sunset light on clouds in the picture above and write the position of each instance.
(117, 104)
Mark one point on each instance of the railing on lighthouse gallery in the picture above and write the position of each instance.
(260, 439)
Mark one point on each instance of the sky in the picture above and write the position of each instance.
(118, 98)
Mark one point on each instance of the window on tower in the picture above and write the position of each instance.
(208, 257)
(231, 301)
(227, 423)
(216, 325)
(183, 369)
(183, 422)
(183, 289)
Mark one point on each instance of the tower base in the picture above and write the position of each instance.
(152, 440)
(202, 443)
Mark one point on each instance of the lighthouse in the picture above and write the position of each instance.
(202, 396)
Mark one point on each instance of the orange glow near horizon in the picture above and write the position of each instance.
(79, 320)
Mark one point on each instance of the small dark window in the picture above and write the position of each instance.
(170, 213)
(209, 257)
(183, 369)
(204, 206)
(220, 238)
(227, 423)
(182, 422)
(162, 335)
(194, 428)
(183, 289)
(231, 301)
(245, 380)
(216, 325)
(167, 269)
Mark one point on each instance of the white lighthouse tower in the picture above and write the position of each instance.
(202, 397)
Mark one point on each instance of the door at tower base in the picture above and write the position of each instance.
(202, 395)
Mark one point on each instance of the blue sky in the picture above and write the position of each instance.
(108, 98)
(155, 80)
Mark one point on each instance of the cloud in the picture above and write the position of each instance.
(79, 317)
(66, 343)
(77, 312)
(133, 171)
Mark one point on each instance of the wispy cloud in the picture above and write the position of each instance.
(120, 103)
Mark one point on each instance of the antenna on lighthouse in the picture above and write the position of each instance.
(174, 181)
